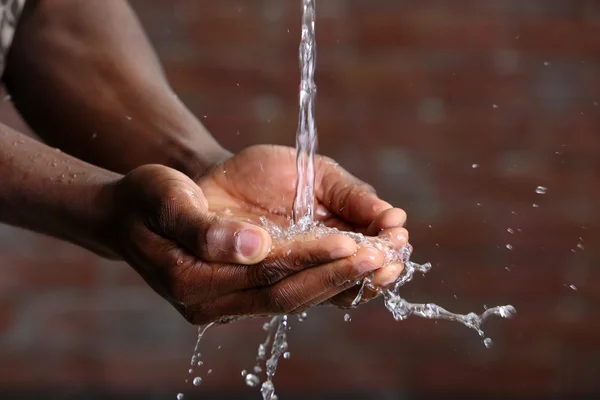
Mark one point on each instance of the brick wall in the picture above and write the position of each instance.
(412, 94)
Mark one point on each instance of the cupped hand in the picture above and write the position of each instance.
(260, 182)
(213, 265)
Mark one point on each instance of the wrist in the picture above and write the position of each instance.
(92, 215)
(180, 140)
(194, 156)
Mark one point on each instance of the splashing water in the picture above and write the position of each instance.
(303, 223)
(195, 361)
(303, 207)
(275, 345)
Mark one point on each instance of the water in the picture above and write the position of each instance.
(306, 135)
(195, 361)
(303, 222)
(275, 345)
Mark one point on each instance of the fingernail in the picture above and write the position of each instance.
(248, 243)
(340, 253)
(366, 266)
(401, 239)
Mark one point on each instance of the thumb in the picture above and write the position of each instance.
(229, 241)
(216, 239)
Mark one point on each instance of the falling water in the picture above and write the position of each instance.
(275, 345)
(195, 361)
(306, 135)
(303, 207)
(302, 214)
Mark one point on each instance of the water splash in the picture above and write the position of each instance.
(303, 207)
(302, 222)
(276, 339)
(399, 307)
(195, 360)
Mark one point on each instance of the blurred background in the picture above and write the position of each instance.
(454, 110)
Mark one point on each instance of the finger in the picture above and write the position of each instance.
(284, 260)
(301, 290)
(347, 196)
(390, 273)
(307, 288)
(347, 297)
(390, 218)
(387, 275)
(382, 278)
(217, 239)
(155, 259)
(397, 236)
(300, 253)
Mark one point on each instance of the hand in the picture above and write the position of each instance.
(213, 268)
(260, 181)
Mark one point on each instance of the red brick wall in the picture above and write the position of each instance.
(411, 95)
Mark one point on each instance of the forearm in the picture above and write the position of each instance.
(51, 192)
(85, 78)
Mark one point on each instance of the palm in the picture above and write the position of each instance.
(260, 181)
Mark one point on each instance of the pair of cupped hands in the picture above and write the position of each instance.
(200, 244)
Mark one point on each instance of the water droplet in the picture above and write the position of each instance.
(200, 363)
(573, 287)
(286, 355)
(509, 246)
(347, 318)
(252, 380)
(580, 246)
(302, 316)
(179, 262)
(244, 373)
(546, 63)
(535, 205)
(180, 396)
(475, 166)
(190, 371)
(209, 371)
(197, 381)
(94, 135)
(541, 190)
(509, 230)
(495, 106)
(129, 118)
(488, 342)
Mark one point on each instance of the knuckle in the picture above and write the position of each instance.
(189, 283)
(280, 301)
(266, 275)
(336, 277)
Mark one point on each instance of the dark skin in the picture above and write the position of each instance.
(155, 189)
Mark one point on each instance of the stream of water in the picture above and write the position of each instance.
(275, 345)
